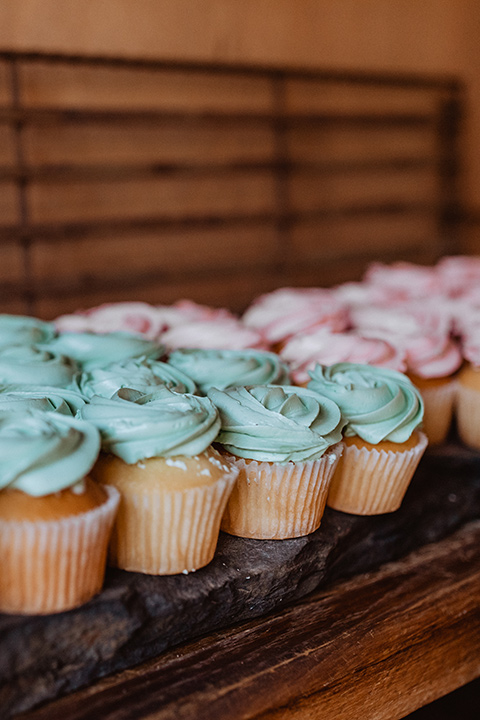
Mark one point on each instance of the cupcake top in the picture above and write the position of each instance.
(221, 333)
(42, 453)
(458, 273)
(90, 350)
(404, 280)
(276, 424)
(142, 374)
(288, 311)
(377, 403)
(33, 365)
(23, 330)
(228, 368)
(323, 347)
(15, 398)
(138, 318)
(135, 425)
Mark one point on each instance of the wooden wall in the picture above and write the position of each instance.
(114, 174)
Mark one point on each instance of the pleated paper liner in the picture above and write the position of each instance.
(468, 415)
(277, 501)
(439, 399)
(372, 482)
(161, 529)
(55, 565)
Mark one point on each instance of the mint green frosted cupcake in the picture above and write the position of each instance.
(383, 445)
(286, 442)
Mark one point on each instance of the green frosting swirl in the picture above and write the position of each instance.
(23, 330)
(134, 425)
(139, 374)
(90, 350)
(42, 453)
(29, 364)
(378, 404)
(21, 398)
(276, 424)
(230, 368)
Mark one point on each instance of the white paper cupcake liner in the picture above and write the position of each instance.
(55, 565)
(467, 411)
(372, 482)
(277, 501)
(439, 403)
(164, 532)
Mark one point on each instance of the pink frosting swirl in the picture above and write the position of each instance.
(219, 334)
(470, 343)
(288, 311)
(404, 280)
(458, 274)
(134, 317)
(321, 346)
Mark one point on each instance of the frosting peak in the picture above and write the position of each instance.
(378, 404)
(43, 452)
(276, 424)
(135, 425)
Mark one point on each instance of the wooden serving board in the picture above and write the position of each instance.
(137, 617)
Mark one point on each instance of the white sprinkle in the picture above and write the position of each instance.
(205, 471)
(248, 577)
(79, 488)
(268, 498)
(141, 465)
(332, 458)
(176, 463)
(184, 572)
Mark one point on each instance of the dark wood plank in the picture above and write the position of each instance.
(380, 645)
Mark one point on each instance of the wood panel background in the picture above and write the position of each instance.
(155, 181)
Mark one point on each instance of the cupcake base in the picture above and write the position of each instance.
(170, 511)
(371, 481)
(468, 406)
(55, 565)
(439, 398)
(273, 501)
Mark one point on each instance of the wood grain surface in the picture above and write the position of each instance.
(378, 646)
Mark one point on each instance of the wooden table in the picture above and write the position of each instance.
(377, 646)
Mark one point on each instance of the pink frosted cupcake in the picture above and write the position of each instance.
(403, 280)
(134, 317)
(323, 347)
(288, 311)
(432, 356)
(468, 390)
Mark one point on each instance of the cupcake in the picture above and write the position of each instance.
(404, 280)
(432, 356)
(383, 445)
(142, 374)
(468, 390)
(230, 368)
(174, 486)
(285, 442)
(55, 522)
